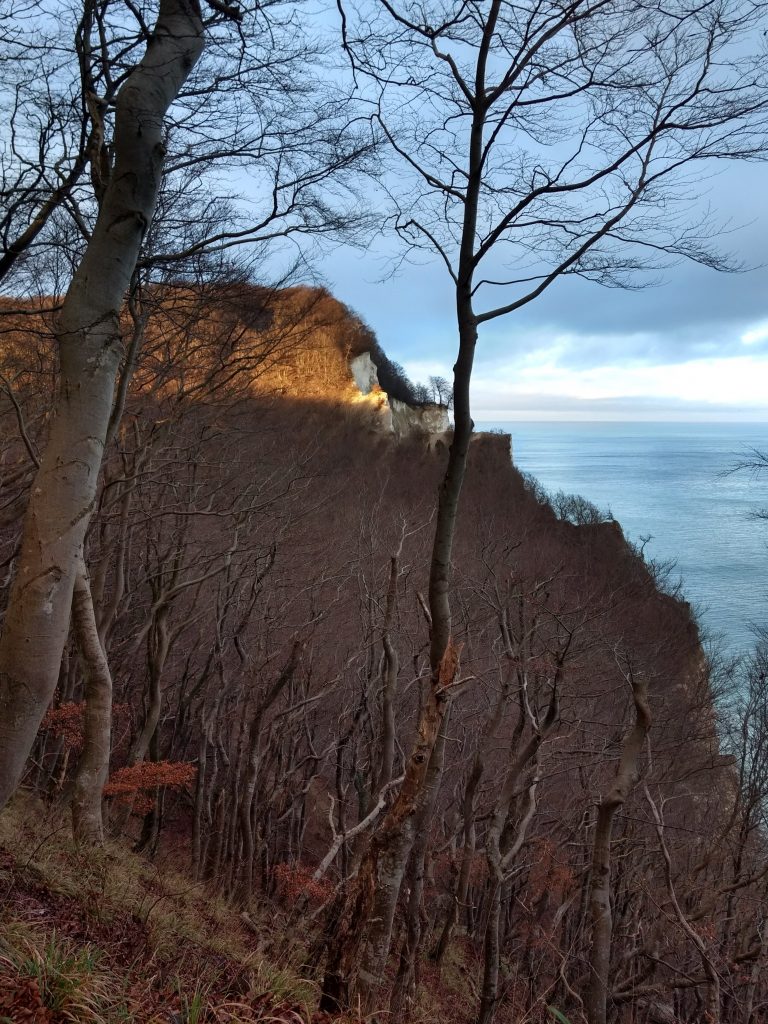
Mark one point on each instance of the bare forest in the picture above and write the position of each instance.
(280, 629)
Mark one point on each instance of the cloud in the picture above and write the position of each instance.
(542, 384)
(696, 346)
(756, 335)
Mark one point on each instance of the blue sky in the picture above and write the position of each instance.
(694, 347)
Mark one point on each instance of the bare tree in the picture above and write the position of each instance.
(177, 225)
(37, 617)
(538, 142)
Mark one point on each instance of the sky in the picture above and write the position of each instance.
(694, 347)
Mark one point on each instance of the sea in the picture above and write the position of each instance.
(674, 483)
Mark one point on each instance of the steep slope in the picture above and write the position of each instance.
(258, 565)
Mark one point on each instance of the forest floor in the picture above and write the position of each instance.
(108, 936)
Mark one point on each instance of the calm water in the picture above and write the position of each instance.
(665, 479)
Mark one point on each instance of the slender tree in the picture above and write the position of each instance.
(538, 141)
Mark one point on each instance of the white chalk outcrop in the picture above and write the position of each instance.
(364, 373)
(393, 416)
(408, 420)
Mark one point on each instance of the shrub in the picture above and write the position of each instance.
(577, 510)
(295, 880)
(134, 783)
(66, 721)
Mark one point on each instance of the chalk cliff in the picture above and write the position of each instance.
(394, 416)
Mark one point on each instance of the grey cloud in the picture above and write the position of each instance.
(543, 406)
(696, 313)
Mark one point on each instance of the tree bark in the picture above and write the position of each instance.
(627, 774)
(88, 335)
(93, 766)
(403, 997)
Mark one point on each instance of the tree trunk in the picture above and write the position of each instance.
(627, 775)
(402, 1000)
(491, 958)
(202, 805)
(754, 972)
(390, 672)
(247, 826)
(93, 766)
(360, 945)
(88, 335)
(459, 898)
(503, 846)
(490, 730)
(159, 644)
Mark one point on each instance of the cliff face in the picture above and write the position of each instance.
(300, 344)
(426, 421)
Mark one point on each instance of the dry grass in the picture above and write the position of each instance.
(105, 935)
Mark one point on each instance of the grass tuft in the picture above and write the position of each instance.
(67, 977)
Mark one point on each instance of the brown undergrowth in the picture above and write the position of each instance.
(106, 936)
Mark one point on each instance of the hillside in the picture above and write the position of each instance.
(258, 563)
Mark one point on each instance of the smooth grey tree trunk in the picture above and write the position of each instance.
(89, 340)
(93, 765)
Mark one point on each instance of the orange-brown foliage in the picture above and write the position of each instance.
(66, 721)
(295, 880)
(133, 783)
